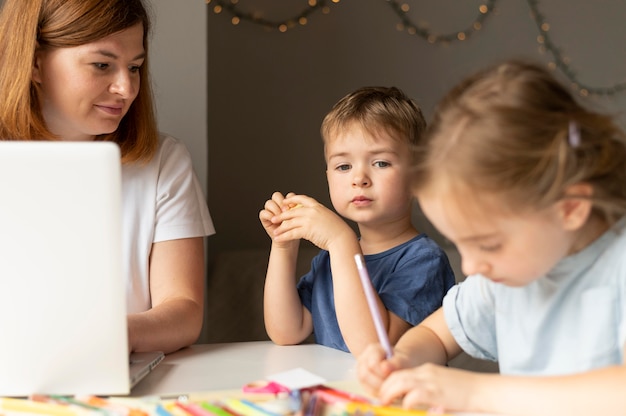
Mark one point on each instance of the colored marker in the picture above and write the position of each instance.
(340, 395)
(194, 409)
(175, 410)
(160, 410)
(110, 407)
(371, 301)
(214, 409)
(247, 408)
(354, 407)
(29, 406)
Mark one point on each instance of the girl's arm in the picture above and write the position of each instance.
(177, 291)
(429, 342)
(598, 392)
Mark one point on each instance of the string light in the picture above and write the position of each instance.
(546, 45)
(402, 9)
(562, 62)
(280, 25)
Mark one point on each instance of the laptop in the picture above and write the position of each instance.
(62, 292)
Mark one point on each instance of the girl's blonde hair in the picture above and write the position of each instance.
(375, 108)
(28, 25)
(513, 130)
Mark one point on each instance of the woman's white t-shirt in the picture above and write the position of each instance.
(161, 200)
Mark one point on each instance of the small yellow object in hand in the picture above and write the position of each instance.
(294, 206)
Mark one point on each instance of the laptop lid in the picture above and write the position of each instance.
(62, 294)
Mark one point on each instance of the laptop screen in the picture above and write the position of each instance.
(62, 293)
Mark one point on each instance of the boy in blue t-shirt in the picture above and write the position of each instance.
(369, 139)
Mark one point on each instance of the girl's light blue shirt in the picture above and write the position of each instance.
(569, 321)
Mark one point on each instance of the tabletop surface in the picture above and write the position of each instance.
(207, 370)
(206, 367)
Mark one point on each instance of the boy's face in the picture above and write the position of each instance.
(368, 175)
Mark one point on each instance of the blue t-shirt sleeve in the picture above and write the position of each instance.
(417, 285)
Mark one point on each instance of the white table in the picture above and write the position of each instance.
(208, 367)
(218, 368)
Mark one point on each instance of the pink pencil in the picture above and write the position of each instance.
(371, 301)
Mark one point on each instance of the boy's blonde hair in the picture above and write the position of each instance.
(514, 130)
(30, 25)
(376, 108)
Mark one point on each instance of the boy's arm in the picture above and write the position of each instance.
(287, 321)
(353, 313)
(327, 230)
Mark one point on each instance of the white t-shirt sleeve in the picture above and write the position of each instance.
(162, 200)
(181, 210)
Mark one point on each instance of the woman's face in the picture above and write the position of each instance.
(86, 90)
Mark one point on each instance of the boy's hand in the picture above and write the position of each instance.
(303, 217)
(273, 207)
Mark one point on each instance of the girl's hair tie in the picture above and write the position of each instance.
(574, 134)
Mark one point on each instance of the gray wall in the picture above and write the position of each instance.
(178, 65)
(268, 91)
